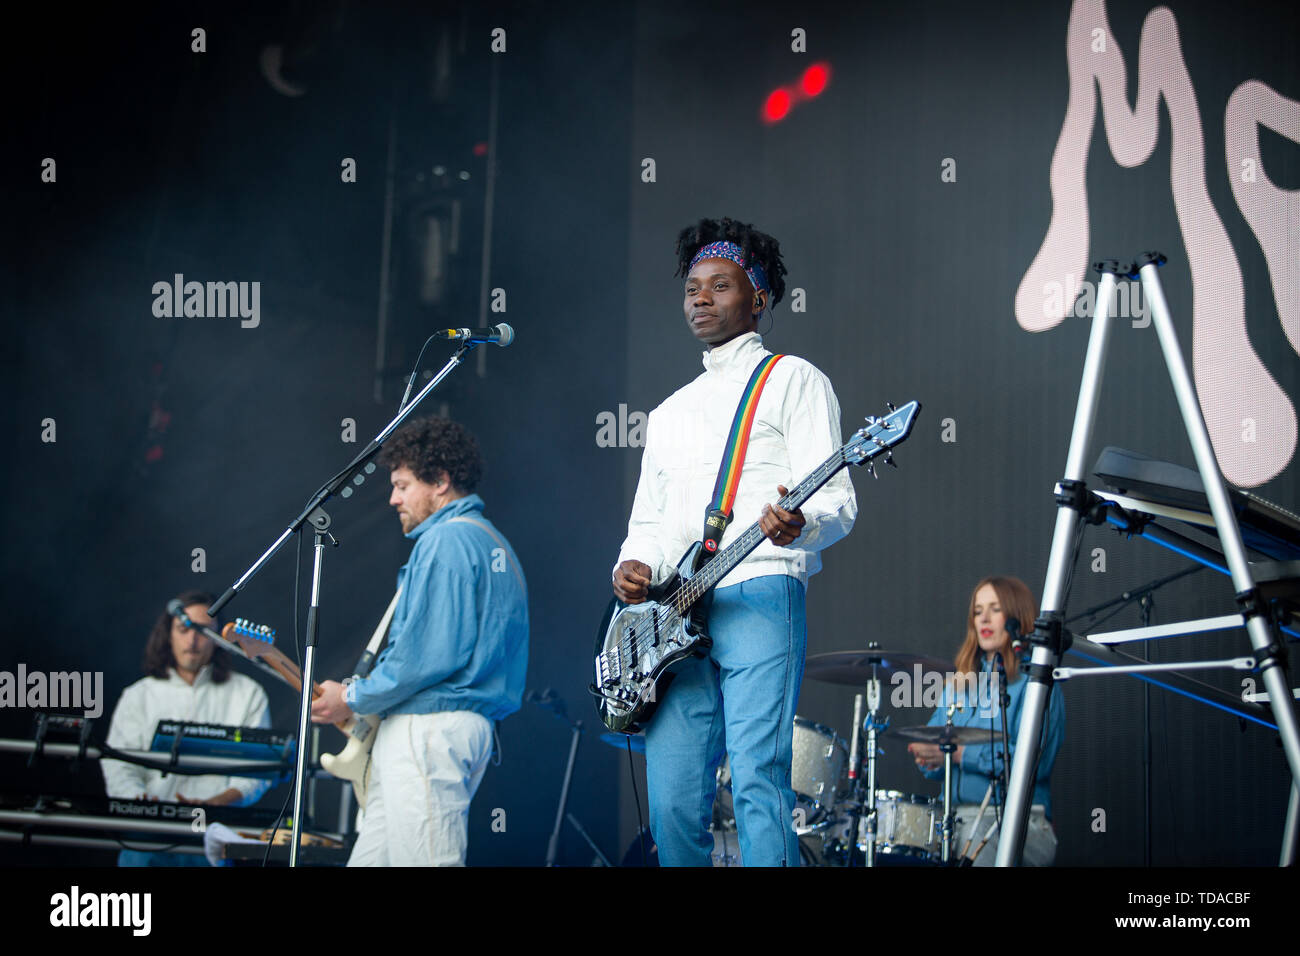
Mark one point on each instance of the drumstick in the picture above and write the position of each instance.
(992, 826)
(978, 817)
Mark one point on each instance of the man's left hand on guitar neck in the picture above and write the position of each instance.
(330, 707)
(779, 526)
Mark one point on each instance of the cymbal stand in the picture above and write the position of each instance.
(947, 747)
(874, 726)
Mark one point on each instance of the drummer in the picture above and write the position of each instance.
(993, 601)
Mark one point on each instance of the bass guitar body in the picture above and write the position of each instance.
(640, 647)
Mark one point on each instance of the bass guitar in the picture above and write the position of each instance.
(643, 644)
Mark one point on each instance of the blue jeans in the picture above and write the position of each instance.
(740, 698)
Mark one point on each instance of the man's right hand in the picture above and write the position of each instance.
(631, 582)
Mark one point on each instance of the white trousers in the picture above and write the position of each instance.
(1040, 838)
(425, 769)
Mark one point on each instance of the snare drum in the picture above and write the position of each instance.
(907, 829)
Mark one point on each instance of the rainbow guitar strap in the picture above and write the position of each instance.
(718, 514)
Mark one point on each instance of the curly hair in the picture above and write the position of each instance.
(755, 245)
(432, 447)
(158, 656)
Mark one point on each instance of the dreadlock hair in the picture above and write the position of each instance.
(433, 446)
(755, 245)
(158, 656)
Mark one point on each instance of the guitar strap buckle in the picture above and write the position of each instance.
(715, 523)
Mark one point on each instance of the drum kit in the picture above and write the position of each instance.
(841, 817)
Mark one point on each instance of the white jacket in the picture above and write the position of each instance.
(796, 428)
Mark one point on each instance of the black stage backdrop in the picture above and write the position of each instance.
(380, 173)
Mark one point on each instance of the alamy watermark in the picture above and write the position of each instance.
(74, 908)
(1129, 303)
(925, 689)
(59, 690)
(178, 298)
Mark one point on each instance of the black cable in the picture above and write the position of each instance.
(414, 372)
(640, 827)
(276, 826)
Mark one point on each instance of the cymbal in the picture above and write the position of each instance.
(942, 734)
(854, 667)
(621, 741)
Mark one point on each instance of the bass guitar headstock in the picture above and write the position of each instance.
(880, 436)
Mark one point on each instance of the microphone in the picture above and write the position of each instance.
(1019, 645)
(177, 610)
(1013, 632)
(501, 335)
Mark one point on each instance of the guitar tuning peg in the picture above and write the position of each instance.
(889, 460)
(871, 468)
(890, 406)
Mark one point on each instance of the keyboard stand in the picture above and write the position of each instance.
(1077, 505)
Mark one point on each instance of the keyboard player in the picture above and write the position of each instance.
(188, 679)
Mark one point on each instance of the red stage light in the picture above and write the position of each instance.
(815, 79)
(777, 106)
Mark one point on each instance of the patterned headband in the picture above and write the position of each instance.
(729, 250)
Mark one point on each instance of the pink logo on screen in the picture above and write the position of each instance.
(1251, 421)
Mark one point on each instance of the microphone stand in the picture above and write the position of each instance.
(1004, 701)
(320, 521)
(551, 702)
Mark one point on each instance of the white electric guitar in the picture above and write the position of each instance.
(353, 761)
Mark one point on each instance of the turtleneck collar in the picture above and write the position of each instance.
(737, 357)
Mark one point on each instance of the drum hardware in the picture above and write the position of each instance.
(947, 748)
(858, 668)
(874, 726)
(957, 736)
(949, 738)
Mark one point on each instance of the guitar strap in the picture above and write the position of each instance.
(719, 511)
(367, 660)
(519, 575)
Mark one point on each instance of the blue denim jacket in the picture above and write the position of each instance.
(459, 636)
(971, 777)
